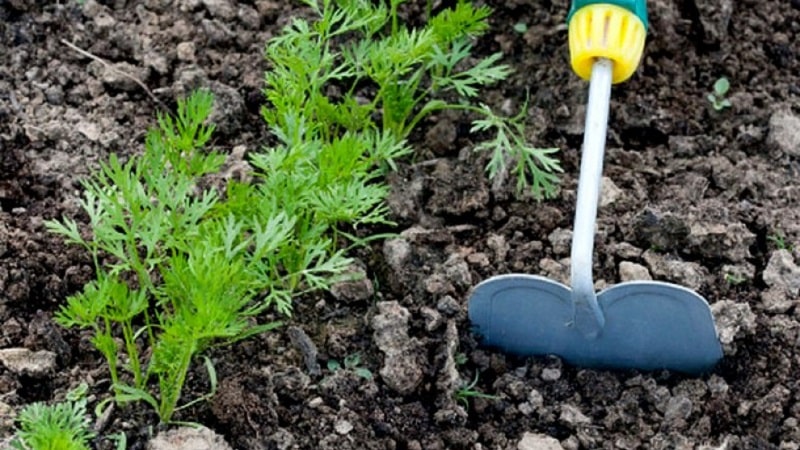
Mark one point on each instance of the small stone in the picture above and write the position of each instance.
(561, 240)
(457, 271)
(390, 325)
(678, 407)
(733, 319)
(557, 270)
(343, 427)
(188, 438)
(499, 246)
(609, 192)
(90, 130)
(687, 273)
(437, 284)
(401, 369)
(626, 250)
(629, 271)
(24, 361)
(479, 259)
(221, 9)
(572, 416)
(551, 374)
(717, 386)
(433, 319)
(185, 51)
(396, 252)
(104, 21)
(315, 402)
(782, 272)
(535, 398)
(782, 276)
(714, 240)
(784, 131)
(536, 441)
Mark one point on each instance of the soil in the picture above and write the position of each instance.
(694, 196)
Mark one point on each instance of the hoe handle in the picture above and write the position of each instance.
(606, 42)
(588, 316)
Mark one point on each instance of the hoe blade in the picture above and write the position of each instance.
(649, 325)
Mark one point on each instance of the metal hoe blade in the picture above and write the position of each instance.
(644, 325)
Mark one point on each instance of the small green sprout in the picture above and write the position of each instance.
(717, 97)
(734, 279)
(521, 27)
(62, 426)
(779, 240)
(468, 390)
(352, 363)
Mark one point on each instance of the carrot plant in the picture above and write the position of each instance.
(356, 71)
(179, 269)
(61, 426)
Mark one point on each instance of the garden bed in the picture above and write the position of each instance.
(696, 196)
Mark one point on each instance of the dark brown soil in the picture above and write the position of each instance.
(706, 199)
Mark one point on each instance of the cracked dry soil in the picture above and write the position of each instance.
(707, 199)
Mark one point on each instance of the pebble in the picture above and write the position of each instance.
(572, 416)
(783, 135)
(536, 441)
(221, 9)
(551, 374)
(499, 246)
(678, 408)
(396, 252)
(733, 319)
(609, 192)
(343, 427)
(401, 369)
(630, 271)
(188, 438)
(185, 51)
(561, 240)
(24, 361)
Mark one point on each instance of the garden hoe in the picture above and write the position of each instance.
(645, 325)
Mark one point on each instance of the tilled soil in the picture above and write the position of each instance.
(702, 198)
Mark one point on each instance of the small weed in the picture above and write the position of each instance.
(460, 359)
(779, 240)
(62, 426)
(734, 279)
(352, 363)
(717, 96)
(468, 391)
(521, 27)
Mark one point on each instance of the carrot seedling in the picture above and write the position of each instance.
(180, 270)
(354, 70)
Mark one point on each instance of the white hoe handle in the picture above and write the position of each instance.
(588, 317)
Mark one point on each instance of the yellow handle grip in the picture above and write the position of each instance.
(608, 31)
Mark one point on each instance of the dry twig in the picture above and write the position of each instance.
(115, 70)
